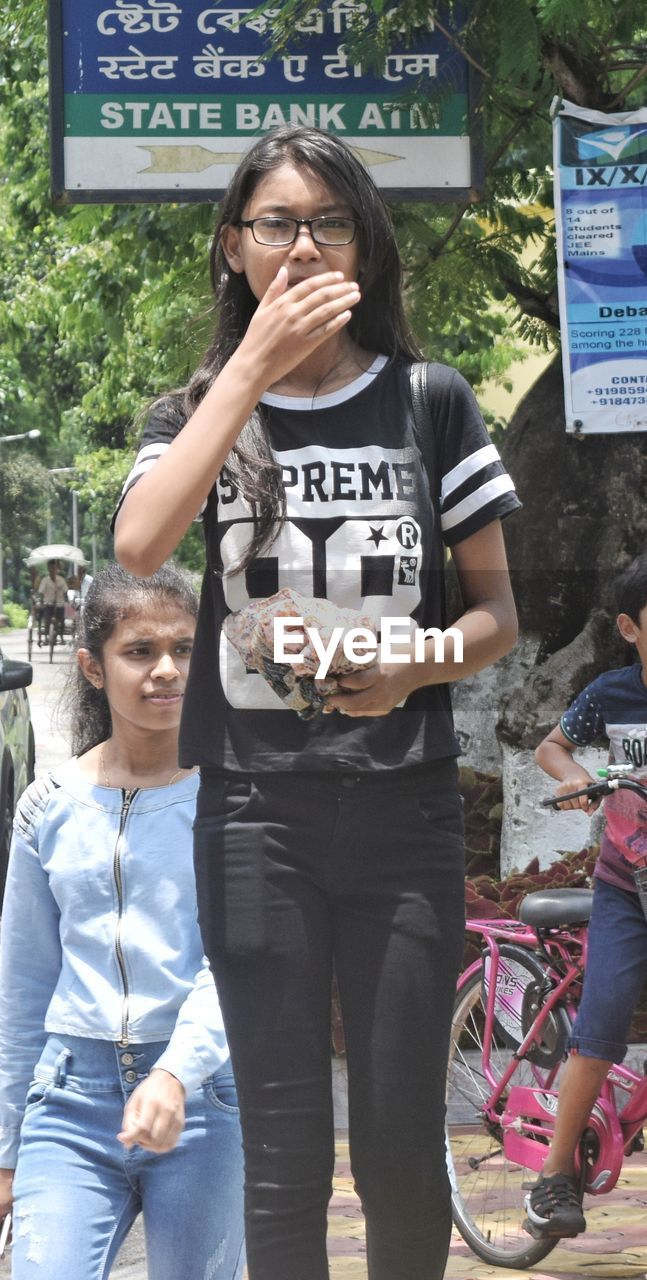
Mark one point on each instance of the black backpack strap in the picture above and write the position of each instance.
(420, 378)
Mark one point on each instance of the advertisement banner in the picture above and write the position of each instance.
(601, 217)
(159, 99)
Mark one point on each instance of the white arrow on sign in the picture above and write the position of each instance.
(195, 159)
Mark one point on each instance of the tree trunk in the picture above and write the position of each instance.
(584, 518)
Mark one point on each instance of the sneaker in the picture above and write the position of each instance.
(554, 1208)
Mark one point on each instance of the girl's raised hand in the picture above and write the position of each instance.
(291, 322)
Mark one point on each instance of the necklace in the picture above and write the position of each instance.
(346, 368)
(108, 783)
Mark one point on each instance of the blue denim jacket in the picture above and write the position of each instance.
(100, 935)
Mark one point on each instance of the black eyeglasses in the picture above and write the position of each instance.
(276, 232)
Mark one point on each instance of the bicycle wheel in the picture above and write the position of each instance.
(30, 638)
(487, 1188)
(51, 639)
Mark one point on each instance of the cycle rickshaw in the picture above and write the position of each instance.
(45, 624)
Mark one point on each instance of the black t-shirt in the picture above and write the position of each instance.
(368, 518)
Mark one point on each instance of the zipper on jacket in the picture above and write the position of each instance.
(128, 797)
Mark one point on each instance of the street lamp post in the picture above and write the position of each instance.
(57, 471)
(22, 435)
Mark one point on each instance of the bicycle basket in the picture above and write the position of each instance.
(521, 988)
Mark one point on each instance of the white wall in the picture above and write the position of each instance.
(530, 831)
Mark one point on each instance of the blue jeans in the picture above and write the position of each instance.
(78, 1191)
(296, 873)
(616, 969)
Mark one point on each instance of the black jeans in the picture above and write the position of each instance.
(296, 873)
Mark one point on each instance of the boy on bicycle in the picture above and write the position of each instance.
(614, 707)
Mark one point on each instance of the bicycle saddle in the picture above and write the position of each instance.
(549, 908)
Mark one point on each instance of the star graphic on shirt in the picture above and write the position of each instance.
(376, 536)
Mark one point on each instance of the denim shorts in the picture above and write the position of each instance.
(77, 1190)
(616, 969)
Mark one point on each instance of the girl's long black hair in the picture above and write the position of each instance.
(378, 322)
(114, 594)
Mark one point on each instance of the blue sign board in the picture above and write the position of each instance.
(158, 99)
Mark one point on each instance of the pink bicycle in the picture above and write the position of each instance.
(512, 1018)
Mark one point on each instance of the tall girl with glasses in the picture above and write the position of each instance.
(107, 1004)
(335, 840)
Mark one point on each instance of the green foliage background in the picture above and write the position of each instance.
(102, 307)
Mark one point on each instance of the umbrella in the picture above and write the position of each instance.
(55, 551)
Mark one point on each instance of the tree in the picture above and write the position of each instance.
(101, 307)
(95, 311)
(26, 489)
(460, 256)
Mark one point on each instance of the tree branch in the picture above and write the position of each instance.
(541, 306)
(460, 48)
(569, 83)
(627, 88)
(493, 160)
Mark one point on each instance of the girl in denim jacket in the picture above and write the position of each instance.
(116, 1092)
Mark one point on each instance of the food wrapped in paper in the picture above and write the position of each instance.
(252, 633)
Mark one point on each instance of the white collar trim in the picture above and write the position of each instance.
(335, 397)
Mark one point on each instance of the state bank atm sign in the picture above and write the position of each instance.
(158, 100)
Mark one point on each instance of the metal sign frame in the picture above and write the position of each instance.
(63, 193)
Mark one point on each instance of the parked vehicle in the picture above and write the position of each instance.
(17, 748)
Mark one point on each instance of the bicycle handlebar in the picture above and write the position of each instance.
(605, 787)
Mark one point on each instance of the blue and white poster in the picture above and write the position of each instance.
(601, 219)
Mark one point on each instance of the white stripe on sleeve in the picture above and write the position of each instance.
(145, 461)
(152, 450)
(474, 501)
(468, 467)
